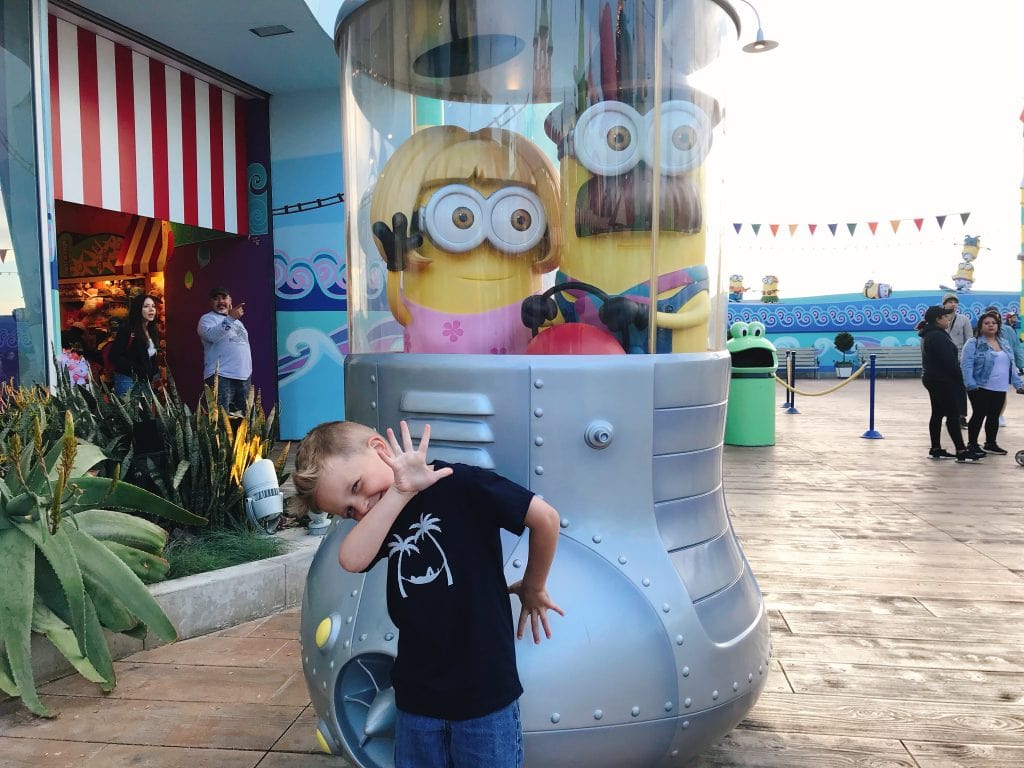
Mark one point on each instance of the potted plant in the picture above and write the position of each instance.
(844, 343)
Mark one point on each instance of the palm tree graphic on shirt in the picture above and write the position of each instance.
(422, 533)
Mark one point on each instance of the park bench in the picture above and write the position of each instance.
(806, 361)
(893, 359)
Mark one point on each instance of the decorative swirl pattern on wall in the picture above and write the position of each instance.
(866, 316)
(259, 215)
(323, 272)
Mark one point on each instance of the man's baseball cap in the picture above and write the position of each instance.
(934, 313)
(949, 296)
(219, 291)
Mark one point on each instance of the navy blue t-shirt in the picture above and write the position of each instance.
(448, 597)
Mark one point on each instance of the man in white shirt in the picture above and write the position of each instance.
(226, 353)
(959, 331)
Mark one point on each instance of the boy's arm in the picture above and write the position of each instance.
(542, 520)
(364, 541)
(412, 475)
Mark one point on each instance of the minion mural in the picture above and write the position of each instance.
(665, 644)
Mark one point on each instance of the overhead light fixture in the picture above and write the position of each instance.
(272, 30)
(760, 44)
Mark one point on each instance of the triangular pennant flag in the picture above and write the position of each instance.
(940, 220)
(872, 225)
(832, 228)
(737, 227)
(895, 225)
(812, 227)
(774, 228)
(964, 217)
(3, 255)
(792, 229)
(756, 228)
(920, 222)
(851, 227)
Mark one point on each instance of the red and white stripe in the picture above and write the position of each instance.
(133, 134)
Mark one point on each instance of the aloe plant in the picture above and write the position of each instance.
(73, 562)
(204, 451)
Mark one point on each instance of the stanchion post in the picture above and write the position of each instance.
(872, 433)
(788, 402)
(792, 383)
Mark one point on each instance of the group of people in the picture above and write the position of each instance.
(227, 356)
(960, 364)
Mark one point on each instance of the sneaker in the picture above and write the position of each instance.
(940, 453)
(963, 422)
(966, 455)
(993, 448)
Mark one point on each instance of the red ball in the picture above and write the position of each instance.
(574, 339)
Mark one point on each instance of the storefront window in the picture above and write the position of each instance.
(23, 351)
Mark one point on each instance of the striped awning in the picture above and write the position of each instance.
(134, 134)
(146, 246)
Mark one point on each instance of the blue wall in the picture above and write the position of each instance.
(814, 321)
(309, 260)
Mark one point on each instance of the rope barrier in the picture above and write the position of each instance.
(830, 390)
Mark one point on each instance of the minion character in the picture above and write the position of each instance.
(467, 224)
(871, 289)
(972, 244)
(613, 174)
(736, 288)
(770, 289)
(964, 277)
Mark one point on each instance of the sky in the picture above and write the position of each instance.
(872, 111)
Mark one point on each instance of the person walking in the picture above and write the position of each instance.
(988, 368)
(942, 378)
(959, 331)
(227, 357)
(134, 348)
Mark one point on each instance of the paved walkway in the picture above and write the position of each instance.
(894, 585)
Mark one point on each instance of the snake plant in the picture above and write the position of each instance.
(72, 562)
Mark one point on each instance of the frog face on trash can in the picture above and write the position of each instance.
(749, 347)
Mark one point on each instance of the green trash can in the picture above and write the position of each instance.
(750, 414)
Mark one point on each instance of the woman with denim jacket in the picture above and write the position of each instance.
(988, 368)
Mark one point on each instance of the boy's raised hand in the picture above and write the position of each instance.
(412, 473)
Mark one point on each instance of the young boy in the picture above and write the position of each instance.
(455, 679)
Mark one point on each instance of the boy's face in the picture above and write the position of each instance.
(350, 485)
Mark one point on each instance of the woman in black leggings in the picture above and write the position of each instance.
(989, 368)
(942, 378)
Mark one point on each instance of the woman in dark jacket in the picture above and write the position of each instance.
(133, 351)
(941, 376)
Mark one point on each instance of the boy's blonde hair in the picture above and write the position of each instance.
(332, 438)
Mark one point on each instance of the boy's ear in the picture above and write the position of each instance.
(380, 445)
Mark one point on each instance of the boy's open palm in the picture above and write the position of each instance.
(412, 473)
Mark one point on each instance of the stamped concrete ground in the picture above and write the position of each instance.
(895, 586)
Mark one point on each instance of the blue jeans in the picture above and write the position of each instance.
(123, 384)
(231, 393)
(491, 741)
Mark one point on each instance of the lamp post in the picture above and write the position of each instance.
(760, 44)
(1020, 256)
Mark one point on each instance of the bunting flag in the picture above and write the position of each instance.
(3, 255)
(146, 246)
(851, 226)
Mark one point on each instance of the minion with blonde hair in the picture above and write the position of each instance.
(467, 224)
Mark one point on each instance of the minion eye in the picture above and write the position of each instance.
(462, 217)
(685, 133)
(756, 329)
(452, 218)
(517, 219)
(605, 139)
(619, 138)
